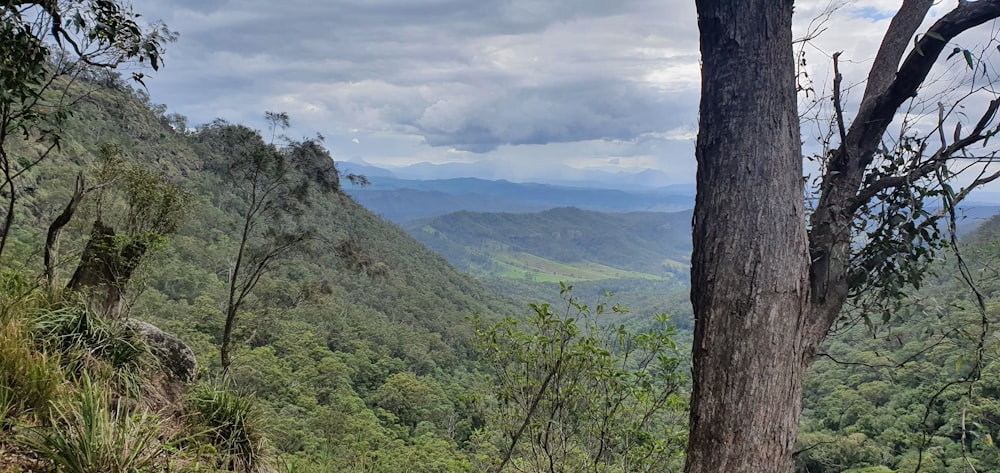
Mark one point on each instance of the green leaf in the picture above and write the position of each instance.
(916, 45)
(968, 58)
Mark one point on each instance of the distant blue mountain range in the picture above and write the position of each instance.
(403, 200)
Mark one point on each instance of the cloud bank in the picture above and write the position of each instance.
(534, 85)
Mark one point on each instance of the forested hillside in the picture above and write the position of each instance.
(329, 334)
(357, 351)
(579, 245)
(642, 257)
(348, 346)
(915, 390)
(352, 347)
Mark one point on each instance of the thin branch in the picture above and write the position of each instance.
(940, 126)
(932, 163)
(531, 412)
(837, 105)
(913, 71)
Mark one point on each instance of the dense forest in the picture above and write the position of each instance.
(359, 352)
(179, 297)
(355, 350)
(918, 392)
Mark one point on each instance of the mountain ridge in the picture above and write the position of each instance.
(404, 200)
(656, 244)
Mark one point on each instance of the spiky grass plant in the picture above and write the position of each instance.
(96, 344)
(233, 423)
(7, 402)
(93, 432)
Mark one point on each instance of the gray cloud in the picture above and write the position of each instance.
(523, 87)
(575, 111)
(420, 78)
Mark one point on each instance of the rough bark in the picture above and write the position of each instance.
(764, 291)
(105, 269)
(750, 268)
(52, 236)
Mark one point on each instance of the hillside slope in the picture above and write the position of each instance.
(320, 344)
(562, 244)
(918, 389)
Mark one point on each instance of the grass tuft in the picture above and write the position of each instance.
(91, 432)
(30, 378)
(233, 423)
(96, 344)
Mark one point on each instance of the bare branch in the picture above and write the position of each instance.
(940, 127)
(987, 117)
(981, 181)
(897, 38)
(837, 105)
(888, 88)
(872, 122)
(943, 154)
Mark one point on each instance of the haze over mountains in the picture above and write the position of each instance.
(426, 190)
(627, 178)
(402, 195)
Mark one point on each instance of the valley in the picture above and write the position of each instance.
(229, 297)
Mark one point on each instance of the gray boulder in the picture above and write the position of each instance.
(175, 357)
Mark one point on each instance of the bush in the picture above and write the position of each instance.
(93, 343)
(93, 433)
(233, 423)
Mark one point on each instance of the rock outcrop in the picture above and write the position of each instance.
(176, 359)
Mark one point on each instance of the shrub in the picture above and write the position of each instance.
(92, 432)
(233, 423)
(92, 343)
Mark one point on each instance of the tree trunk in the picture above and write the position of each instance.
(8, 221)
(106, 269)
(227, 339)
(764, 292)
(750, 266)
(52, 236)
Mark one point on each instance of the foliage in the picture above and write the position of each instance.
(918, 389)
(413, 400)
(276, 185)
(902, 229)
(86, 342)
(351, 372)
(93, 432)
(573, 395)
(360, 357)
(234, 423)
(35, 97)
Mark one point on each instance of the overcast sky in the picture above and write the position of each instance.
(525, 85)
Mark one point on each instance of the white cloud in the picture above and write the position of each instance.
(524, 84)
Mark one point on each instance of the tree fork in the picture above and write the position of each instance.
(764, 291)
